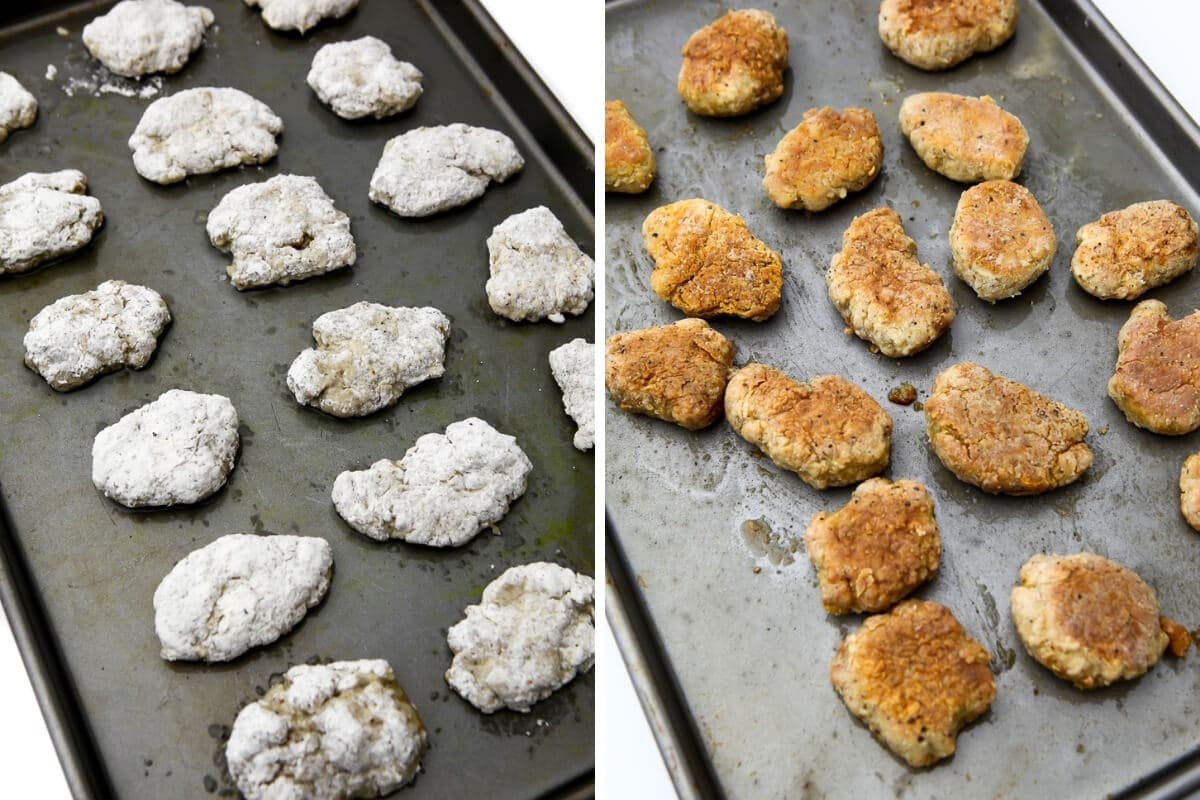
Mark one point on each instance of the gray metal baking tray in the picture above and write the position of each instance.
(730, 652)
(79, 571)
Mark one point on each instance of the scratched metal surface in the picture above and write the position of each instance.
(752, 650)
(159, 727)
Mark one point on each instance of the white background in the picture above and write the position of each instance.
(563, 40)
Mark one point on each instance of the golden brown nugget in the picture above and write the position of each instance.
(1001, 240)
(876, 549)
(937, 34)
(827, 430)
(1001, 435)
(915, 678)
(1157, 378)
(1126, 253)
(707, 263)
(824, 158)
(1179, 638)
(734, 65)
(883, 292)
(966, 139)
(673, 372)
(1088, 620)
(628, 160)
(1189, 490)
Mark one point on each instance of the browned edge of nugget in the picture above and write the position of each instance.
(628, 159)
(734, 65)
(1189, 490)
(1156, 381)
(824, 158)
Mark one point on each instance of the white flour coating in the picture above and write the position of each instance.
(178, 449)
(45, 215)
(446, 489)
(531, 634)
(301, 15)
(18, 108)
(203, 130)
(51, 72)
(572, 365)
(82, 336)
(367, 355)
(327, 732)
(362, 78)
(428, 170)
(139, 37)
(538, 272)
(281, 230)
(239, 592)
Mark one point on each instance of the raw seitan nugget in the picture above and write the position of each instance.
(915, 678)
(301, 15)
(883, 292)
(677, 372)
(1001, 240)
(937, 34)
(828, 155)
(18, 107)
(1087, 619)
(1157, 378)
(1189, 490)
(44, 216)
(362, 78)
(966, 139)
(537, 270)
(827, 430)
(1126, 253)
(876, 549)
(572, 367)
(140, 37)
(1001, 435)
(628, 159)
(707, 263)
(734, 65)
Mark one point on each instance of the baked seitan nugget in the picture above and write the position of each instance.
(707, 263)
(673, 372)
(1189, 490)
(828, 155)
(937, 34)
(1001, 435)
(628, 159)
(827, 430)
(967, 139)
(1001, 240)
(734, 65)
(1157, 378)
(915, 678)
(883, 292)
(1126, 253)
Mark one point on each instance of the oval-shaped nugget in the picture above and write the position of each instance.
(938, 34)
(1088, 620)
(1001, 240)
(673, 372)
(707, 263)
(1157, 378)
(826, 430)
(628, 158)
(883, 292)
(967, 139)
(734, 65)
(1001, 435)
(1126, 253)
(1189, 490)
(824, 158)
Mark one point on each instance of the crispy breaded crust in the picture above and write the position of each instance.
(1001, 435)
(1179, 638)
(1189, 490)
(1001, 240)
(877, 548)
(827, 430)
(915, 678)
(828, 155)
(1157, 378)
(707, 263)
(884, 293)
(1087, 619)
(674, 372)
(937, 34)
(628, 159)
(966, 139)
(1126, 253)
(734, 65)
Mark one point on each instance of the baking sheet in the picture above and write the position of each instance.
(745, 654)
(80, 571)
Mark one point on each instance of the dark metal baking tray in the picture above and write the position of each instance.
(79, 571)
(733, 666)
